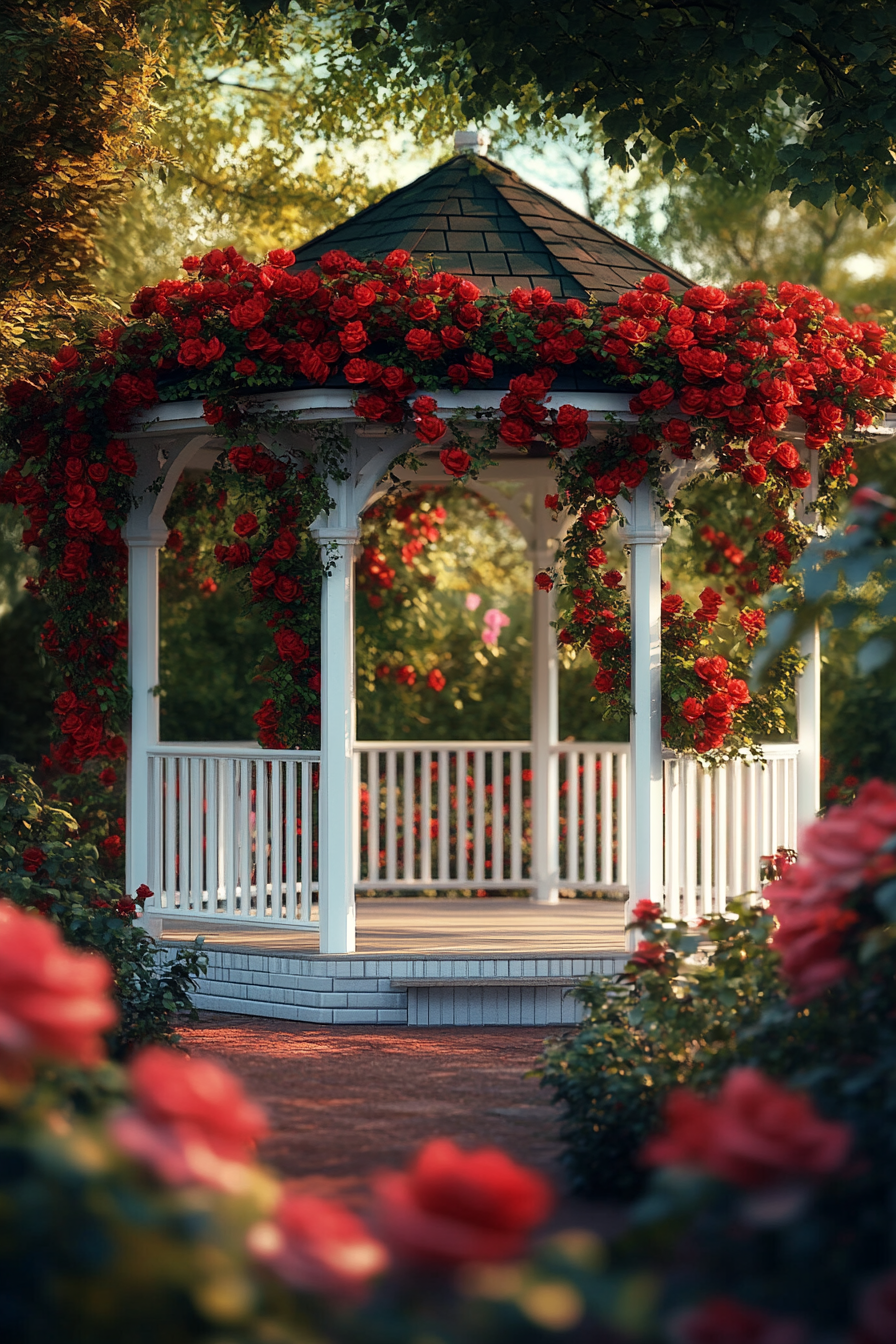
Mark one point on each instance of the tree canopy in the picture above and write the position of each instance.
(702, 80)
(76, 85)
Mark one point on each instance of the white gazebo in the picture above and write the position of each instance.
(268, 852)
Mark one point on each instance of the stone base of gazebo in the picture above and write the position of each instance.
(478, 962)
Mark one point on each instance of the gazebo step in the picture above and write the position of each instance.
(487, 982)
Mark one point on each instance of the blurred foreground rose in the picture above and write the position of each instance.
(809, 900)
(452, 1206)
(191, 1121)
(53, 1000)
(721, 1320)
(876, 1323)
(317, 1245)
(755, 1133)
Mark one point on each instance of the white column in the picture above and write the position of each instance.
(544, 725)
(808, 684)
(337, 739)
(644, 535)
(808, 722)
(144, 538)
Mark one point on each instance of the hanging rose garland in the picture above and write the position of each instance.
(715, 372)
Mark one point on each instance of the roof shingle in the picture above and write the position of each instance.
(473, 216)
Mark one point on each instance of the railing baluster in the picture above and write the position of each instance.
(589, 808)
(443, 815)
(721, 845)
(426, 816)
(211, 833)
(622, 812)
(407, 812)
(572, 816)
(516, 815)
(479, 816)
(290, 840)
(461, 771)
(373, 816)
(306, 850)
(276, 843)
(391, 818)
(706, 839)
(497, 836)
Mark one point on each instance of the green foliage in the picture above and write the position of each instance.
(209, 637)
(668, 1024)
(66, 880)
(76, 85)
(699, 83)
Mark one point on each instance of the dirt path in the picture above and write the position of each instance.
(343, 1101)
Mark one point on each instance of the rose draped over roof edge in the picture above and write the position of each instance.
(711, 368)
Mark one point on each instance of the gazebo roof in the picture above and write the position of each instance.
(475, 217)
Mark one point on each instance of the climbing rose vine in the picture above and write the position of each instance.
(716, 378)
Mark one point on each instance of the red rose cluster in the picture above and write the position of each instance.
(714, 369)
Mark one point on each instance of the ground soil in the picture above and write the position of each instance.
(345, 1101)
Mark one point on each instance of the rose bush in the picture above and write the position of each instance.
(739, 363)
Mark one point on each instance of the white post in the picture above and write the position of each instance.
(808, 720)
(808, 683)
(644, 535)
(145, 538)
(544, 725)
(337, 735)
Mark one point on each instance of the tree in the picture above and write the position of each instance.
(274, 132)
(702, 81)
(76, 85)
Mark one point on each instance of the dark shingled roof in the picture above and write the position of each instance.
(475, 217)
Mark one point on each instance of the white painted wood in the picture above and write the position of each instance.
(426, 816)
(589, 807)
(306, 851)
(545, 718)
(462, 816)
(443, 815)
(516, 816)
(496, 871)
(643, 535)
(143, 673)
(391, 817)
(808, 716)
(290, 839)
(408, 808)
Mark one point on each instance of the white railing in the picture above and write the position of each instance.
(234, 829)
(459, 815)
(718, 824)
(233, 832)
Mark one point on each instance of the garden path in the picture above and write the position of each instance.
(345, 1101)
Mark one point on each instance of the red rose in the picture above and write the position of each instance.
(455, 461)
(65, 360)
(53, 1000)
(604, 683)
(291, 647)
(429, 428)
(286, 589)
(707, 297)
(436, 680)
(754, 1134)
(191, 1122)
(721, 1320)
(452, 1206)
(353, 337)
(281, 257)
(516, 431)
(317, 1246)
(397, 259)
(405, 675)
(481, 367)
(246, 525)
(422, 310)
(245, 367)
(469, 316)
(646, 912)
(544, 582)
(249, 314)
(372, 407)
(458, 374)
(423, 344)
(676, 431)
(33, 858)
(453, 338)
(242, 458)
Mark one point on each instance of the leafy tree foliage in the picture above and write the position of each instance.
(76, 85)
(701, 81)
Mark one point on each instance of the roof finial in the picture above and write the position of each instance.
(476, 142)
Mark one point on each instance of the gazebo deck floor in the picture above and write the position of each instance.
(433, 928)
(419, 962)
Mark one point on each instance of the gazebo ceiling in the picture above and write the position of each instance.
(475, 217)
